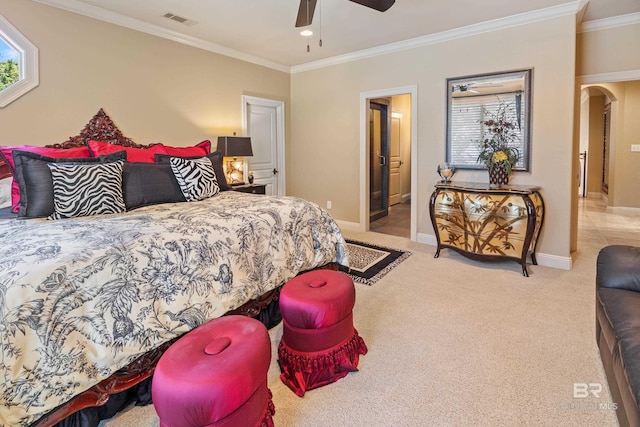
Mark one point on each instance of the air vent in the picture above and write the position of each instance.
(180, 19)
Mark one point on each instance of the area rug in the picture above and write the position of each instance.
(370, 263)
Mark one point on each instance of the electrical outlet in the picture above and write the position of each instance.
(328, 204)
(635, 147)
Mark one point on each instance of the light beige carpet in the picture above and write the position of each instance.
(454, 342)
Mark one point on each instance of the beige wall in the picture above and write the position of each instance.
(326, 121)
(599, 53)
(606, 51)
(624, 179)
(154, 89)
(628, 162)
(624, 164)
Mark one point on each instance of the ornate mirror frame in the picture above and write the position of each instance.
(28, 63)
(473, 99)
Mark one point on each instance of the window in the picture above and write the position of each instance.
(9, 65)
(467, 116)
(18, 64)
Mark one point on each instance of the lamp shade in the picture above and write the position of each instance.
(235, 146)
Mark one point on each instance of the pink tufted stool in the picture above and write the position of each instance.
(319, 344)
(216, 375)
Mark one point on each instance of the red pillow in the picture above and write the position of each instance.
(198, 150)
(145, 155)
(6, 153)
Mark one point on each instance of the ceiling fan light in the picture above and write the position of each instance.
(306, 32)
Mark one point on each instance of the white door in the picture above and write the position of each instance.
(264, 123)
(395, 184)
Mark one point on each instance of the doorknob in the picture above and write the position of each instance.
(382, 161)
(275, 171)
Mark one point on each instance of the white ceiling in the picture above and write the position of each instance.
(263, 31)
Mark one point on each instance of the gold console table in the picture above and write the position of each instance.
(486, 223)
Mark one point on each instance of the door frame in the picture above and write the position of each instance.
(365, 158)
(383, 106)
(280, 139)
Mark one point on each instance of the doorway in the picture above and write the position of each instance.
(379, 135)
(390, 138)
(263, 121)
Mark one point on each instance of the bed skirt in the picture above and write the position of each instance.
(140, 394)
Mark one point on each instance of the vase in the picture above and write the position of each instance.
(498, 176)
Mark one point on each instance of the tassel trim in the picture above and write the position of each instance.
(305, 371)
(269, 412)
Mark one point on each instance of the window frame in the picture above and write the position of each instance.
(28, 63)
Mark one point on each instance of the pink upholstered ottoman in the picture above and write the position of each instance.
(216, 375)
(319, 344)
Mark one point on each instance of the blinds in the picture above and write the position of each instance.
(466, 128)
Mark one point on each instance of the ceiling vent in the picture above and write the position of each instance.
(180, 19)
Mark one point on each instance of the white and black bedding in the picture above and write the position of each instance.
(110, 250)
(82, 297)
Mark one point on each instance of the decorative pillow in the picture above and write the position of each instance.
(216, 161)
(196, 178)
(6, 153)
(198, 150)
(85, 190)
(149, 184)
(35, 182)
(100, 148)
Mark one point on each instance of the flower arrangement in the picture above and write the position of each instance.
(499, 145)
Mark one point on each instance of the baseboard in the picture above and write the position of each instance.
(553, 261)
(622, 210)
(426, 239)
(350, 226)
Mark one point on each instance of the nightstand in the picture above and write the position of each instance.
(250, 188)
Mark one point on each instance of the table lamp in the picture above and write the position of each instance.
(233, 149)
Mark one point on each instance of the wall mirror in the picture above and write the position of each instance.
(472, 100)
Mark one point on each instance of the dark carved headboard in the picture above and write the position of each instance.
(99, 128)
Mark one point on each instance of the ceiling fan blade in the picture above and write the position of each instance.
(305, 13)
(380, 5)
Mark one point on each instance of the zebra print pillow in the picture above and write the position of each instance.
(84, 190)
(196, 177)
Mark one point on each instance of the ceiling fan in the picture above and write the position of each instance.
(307, 7)
(463, 88)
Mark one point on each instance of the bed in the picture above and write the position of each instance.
(88, 304)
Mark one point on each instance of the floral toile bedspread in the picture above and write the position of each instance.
(81, 298)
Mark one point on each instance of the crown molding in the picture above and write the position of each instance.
(618, 76)
(571, 8)
(613, 22)
(155, 30)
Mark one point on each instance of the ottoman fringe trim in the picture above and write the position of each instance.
(269, 412)
(305, 371)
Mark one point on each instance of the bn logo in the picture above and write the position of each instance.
(583, 390)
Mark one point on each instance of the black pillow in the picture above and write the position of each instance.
(35, 182)
(216, 161)
(149, 184)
